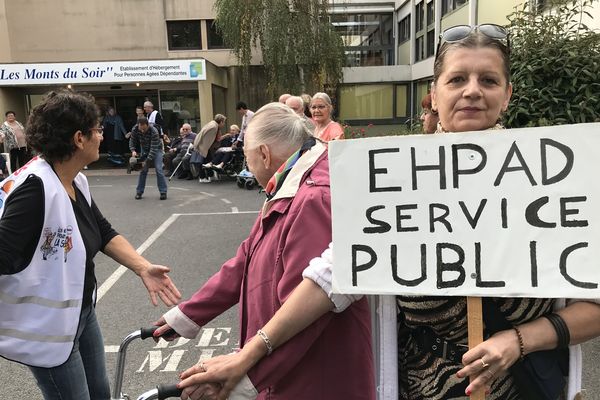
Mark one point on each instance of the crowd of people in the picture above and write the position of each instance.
(299, 339)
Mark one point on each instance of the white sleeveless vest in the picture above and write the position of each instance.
(40, 306)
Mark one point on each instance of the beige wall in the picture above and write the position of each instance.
(404, 53)
(75, 30)
(494, 11)
(4, 38)
(189, 9)
(457, 17)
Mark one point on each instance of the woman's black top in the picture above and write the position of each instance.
(22, 223)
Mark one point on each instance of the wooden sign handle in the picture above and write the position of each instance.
(475, 327)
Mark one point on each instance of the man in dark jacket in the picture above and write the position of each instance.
(146, 137)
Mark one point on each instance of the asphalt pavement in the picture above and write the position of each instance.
(197, 228)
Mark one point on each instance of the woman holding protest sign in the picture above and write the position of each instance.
(471, 90)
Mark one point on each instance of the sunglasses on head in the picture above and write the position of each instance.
(457, 33)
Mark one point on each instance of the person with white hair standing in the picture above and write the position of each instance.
(154, 117)
(334, 353)
(297, 105)
(325, 128)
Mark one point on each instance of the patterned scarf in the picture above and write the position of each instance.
(282, 172)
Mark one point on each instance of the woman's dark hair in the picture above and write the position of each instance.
(10, 112)
(52, 123)
(473, 41)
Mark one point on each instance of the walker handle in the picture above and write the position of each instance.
(167, 391)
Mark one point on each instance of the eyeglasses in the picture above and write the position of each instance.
(99, 129)
(457, 33)
(319, 107)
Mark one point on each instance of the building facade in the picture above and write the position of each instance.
(390, 48)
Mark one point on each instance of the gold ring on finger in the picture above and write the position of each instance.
(484, 365)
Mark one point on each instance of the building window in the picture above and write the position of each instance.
(366, 102)
(419, 17)
(430, 12)
(404, 30)
(401, 101)
(368, 38)
(430, 43)
(451, 5)
(420, 48)
(215, 40)
(184, 35)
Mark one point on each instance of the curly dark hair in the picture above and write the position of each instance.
(52, 123)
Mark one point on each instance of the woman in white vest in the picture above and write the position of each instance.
(47, 281)
(427, 359)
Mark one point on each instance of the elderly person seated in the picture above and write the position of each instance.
(178, 148)
(205, 145)
(332, 359)
(224, 154)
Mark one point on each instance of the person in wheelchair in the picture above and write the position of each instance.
(205, 145)
(225, 154)
(178, 148)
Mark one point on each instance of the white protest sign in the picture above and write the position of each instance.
(496, 213)
(102, 72)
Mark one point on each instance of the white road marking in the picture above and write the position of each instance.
(121, 269)
(208, 194)
(111, 349)
(235, 210)
(111, 280)
(226, 201)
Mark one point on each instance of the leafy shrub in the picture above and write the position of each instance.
(555, 66)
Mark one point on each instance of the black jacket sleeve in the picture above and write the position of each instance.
(21, 225)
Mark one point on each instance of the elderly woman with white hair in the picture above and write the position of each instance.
(325, 128)
(332, 359)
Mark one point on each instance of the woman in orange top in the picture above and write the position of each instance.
(325, 128)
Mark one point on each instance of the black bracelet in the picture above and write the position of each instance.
(562, 331)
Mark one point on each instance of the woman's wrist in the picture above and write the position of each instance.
(253, 352)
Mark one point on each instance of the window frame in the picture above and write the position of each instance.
(171, 24)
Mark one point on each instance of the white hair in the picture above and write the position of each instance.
(323, 96)
(297, 101)
(148, 103)
(279, 127)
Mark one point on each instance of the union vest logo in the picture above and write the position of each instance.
(54, 241)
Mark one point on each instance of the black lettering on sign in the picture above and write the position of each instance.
(380, 226)
(533, 262)
(406, 282)
(479, 282)
(564, 212)
(457, 171)
(375, 171)
(472, 220)
(532, 213)
(567, 152)
(363, 267)
(440, 218)
(440, 166)
(514, 151)
(563, 267)
(456, 266)
(400, 217)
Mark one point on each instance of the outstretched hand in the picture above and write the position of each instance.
(159, 284)
(223, 372)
